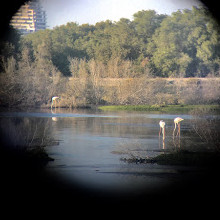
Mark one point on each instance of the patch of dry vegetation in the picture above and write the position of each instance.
(33, 83)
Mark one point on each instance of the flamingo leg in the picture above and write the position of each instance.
(179, 133)
(163, 145)
(163, 134)
(174, 131)
(174, 142)
(159, 137)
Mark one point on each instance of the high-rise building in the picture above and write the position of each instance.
(29, 18)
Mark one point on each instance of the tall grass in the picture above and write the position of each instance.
(30, 83)
(206, 125)
(25, 133)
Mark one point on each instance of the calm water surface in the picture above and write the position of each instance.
(87, 146)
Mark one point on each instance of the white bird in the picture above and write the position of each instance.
(162, 128)
(177, 123)
(54, 101)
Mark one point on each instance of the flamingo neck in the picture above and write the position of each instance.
(175, 126)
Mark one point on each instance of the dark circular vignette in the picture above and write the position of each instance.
(8, 9)
(24, 188)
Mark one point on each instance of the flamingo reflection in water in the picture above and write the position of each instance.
(162, 129)
(54, 118)
(54, 101)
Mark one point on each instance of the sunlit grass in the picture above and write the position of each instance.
(163, 108)
(130, 108)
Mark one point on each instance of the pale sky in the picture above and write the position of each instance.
(92, 11)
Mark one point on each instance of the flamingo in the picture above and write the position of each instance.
(162, 128)
(54, 100)
(177, 123)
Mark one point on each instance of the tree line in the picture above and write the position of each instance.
(183, 44)
(76, 62)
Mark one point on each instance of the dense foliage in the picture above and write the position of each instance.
(184, 44)
(114, 62)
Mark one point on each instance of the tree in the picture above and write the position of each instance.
(124, 41)
(9, 46)
(146, 22)
(184, 45)
(99, 44)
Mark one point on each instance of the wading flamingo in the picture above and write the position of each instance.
(177, 123)
(162, 129)
(54, 101)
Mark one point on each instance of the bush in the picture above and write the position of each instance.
(206, 125)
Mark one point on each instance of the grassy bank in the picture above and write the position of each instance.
(162, 108)
(140, 93)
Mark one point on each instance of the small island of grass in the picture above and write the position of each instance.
(180, 157)
(162, 108)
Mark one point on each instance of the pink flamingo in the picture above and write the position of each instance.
(54, 101)
(162, 129)
(177, 123)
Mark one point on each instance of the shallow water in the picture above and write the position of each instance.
(87, 146)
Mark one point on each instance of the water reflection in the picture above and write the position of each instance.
(54, 112)
(176, 142)
(54, 119)
(163, 143)
(23, 132)
(91, 144)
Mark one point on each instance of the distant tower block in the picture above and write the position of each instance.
(29, 18)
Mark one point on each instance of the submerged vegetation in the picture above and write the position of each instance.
(180, 157)
(26, 138)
